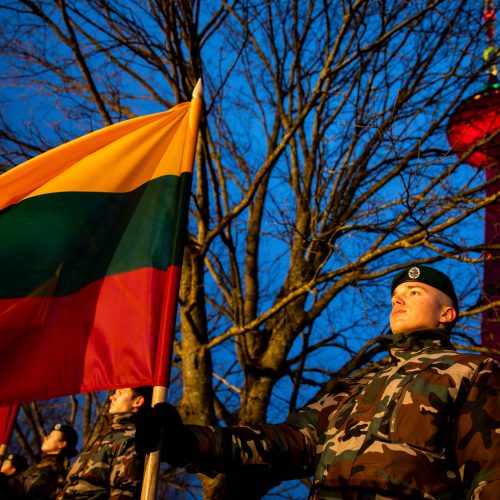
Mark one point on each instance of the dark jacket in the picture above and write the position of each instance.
(39, 482)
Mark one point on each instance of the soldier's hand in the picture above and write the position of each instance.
(164, 424)
(148, 431)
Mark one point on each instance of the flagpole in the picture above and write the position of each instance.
(152, 460)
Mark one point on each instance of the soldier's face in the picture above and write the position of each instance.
(53, 442)
(8, 468)
(123, 401)
(417, 305)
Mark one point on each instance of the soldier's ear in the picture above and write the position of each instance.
(448, 314)
(138, 402)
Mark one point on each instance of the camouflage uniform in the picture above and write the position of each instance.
(426, 426)
(40, 482)
(109, 467)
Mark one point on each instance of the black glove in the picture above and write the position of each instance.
(163, 423)
(148, 431)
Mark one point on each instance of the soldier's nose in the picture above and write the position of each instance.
(396, 299)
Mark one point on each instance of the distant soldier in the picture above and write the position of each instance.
(109, 467)
(425, 426)
(13, 464)
(43, 480)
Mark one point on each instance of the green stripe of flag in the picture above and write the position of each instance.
(57, 243)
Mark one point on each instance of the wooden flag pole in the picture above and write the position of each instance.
(152, 460)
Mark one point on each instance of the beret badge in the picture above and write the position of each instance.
(414, 273)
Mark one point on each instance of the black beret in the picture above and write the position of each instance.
(69, 433)
(429, 276)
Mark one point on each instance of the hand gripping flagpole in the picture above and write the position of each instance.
(167, 323)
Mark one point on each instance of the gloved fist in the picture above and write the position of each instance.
(148, 431)
(164, 424)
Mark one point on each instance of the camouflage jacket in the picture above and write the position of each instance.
(41, 481)
(109, 467)
(425, 426)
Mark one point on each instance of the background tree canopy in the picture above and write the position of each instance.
(322, 169)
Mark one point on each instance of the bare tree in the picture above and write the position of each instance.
(322, 168)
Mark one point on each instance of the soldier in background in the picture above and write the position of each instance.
(13, 464)
(42, 480)
(424, 426)
(109, 467)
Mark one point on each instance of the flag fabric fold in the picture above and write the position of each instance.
(8, 415)
(91, 235)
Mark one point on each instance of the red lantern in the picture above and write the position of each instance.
(475, 126)
(476, 120)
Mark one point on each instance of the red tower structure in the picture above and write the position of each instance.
(474, 134)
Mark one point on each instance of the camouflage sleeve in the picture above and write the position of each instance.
(39, 483)
(478, 434)
(280, 448)
(125, 473)
(287, 449)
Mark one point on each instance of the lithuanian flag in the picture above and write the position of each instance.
(91, 243)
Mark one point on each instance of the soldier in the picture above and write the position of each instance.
(13, 464)
(424, 426)
(42, 480)
(108, 467)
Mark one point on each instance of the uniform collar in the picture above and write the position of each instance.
(52, 458)
(121, 418)
(405, 345)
